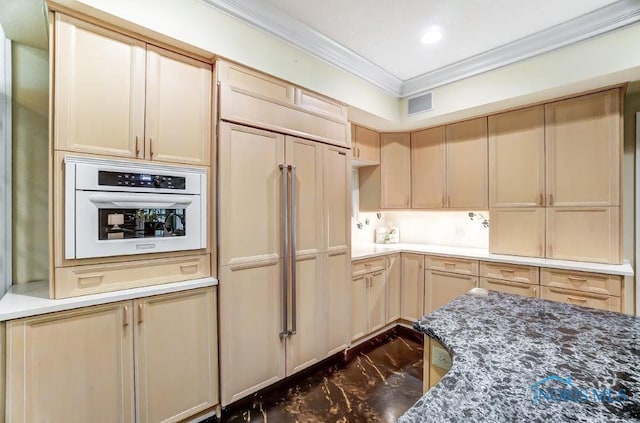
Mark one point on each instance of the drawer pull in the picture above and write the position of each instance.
(140, 307)
(507, 271)
(583, 296)
(577, 280)
(578, 299)
(187, 269)
(125, 316)
(90, 280)
(446, 263)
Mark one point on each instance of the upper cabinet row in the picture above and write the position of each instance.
(118, 96)
(252, 98)
(436, 168)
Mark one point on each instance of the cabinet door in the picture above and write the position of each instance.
(337, 199)
(178, 118)
(584, 150)
(251, 358)
(516, 158)
(307, 319)
(412, 289)
(510, 287)
(176, 355)
(584, 234)
(72, 366)
(395, 171)
(377, 301)
(367, 147)
(442, 287)
(467, 177)
(394, 280)
(99, 79)
(428, 169)
(518, 231)
(359, 306)
(307, 157)
(337, 292)
(250, 194)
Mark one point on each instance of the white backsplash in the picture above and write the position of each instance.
(454, 229)
(365, 234)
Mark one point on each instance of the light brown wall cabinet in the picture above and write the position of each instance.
(555, 179)
(169, 341)
(467, 173)
(117, 96)
(436, 168)
(365, 146)
(428, 164)
(395, 171)
(255, 265)
(255, 99)
(368, 297)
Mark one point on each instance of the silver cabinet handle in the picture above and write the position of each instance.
(293, 235)
(285, 234)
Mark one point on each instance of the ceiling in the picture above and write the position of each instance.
(379, 40)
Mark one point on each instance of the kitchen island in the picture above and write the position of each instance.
(527, 359)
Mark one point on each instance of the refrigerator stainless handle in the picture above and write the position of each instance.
(285, 239)
(293, 234)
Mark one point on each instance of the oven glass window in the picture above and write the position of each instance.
(141, 223)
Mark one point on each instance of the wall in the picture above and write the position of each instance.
(631, 106)
(447, 228)
(30, 163)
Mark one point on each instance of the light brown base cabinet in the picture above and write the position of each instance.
(79, 365)
(412, 287)
(432, 370)
(509, 278)
(584, 289)
(394, 289)
(447, 278)
(368, 298)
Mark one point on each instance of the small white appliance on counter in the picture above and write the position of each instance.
(118, 207)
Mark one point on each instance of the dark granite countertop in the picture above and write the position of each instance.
(519, 359)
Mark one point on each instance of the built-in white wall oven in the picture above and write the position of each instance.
(117, 207)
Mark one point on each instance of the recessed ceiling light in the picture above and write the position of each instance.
(432, 35)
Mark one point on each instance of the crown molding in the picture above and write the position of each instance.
(271, 20)
(598, 22)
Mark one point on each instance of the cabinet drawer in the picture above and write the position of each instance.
(587, 282)
(509, 287)
(367, 266)
(602, 302)
(509, 272)
(454, 265)
(93, 279)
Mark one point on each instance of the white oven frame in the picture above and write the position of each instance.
(83, 196)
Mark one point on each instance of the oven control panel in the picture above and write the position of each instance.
(140, 180)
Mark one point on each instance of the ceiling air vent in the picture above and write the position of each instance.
(420, 103)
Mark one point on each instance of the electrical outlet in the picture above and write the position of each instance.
(440, 358)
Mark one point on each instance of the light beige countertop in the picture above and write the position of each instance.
(364, 251)
(32, 299)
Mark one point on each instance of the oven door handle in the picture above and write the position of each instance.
(141, 201)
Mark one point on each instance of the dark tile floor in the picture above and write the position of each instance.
(378, 385)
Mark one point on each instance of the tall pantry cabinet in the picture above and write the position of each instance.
(555, 179)
(284, 250)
